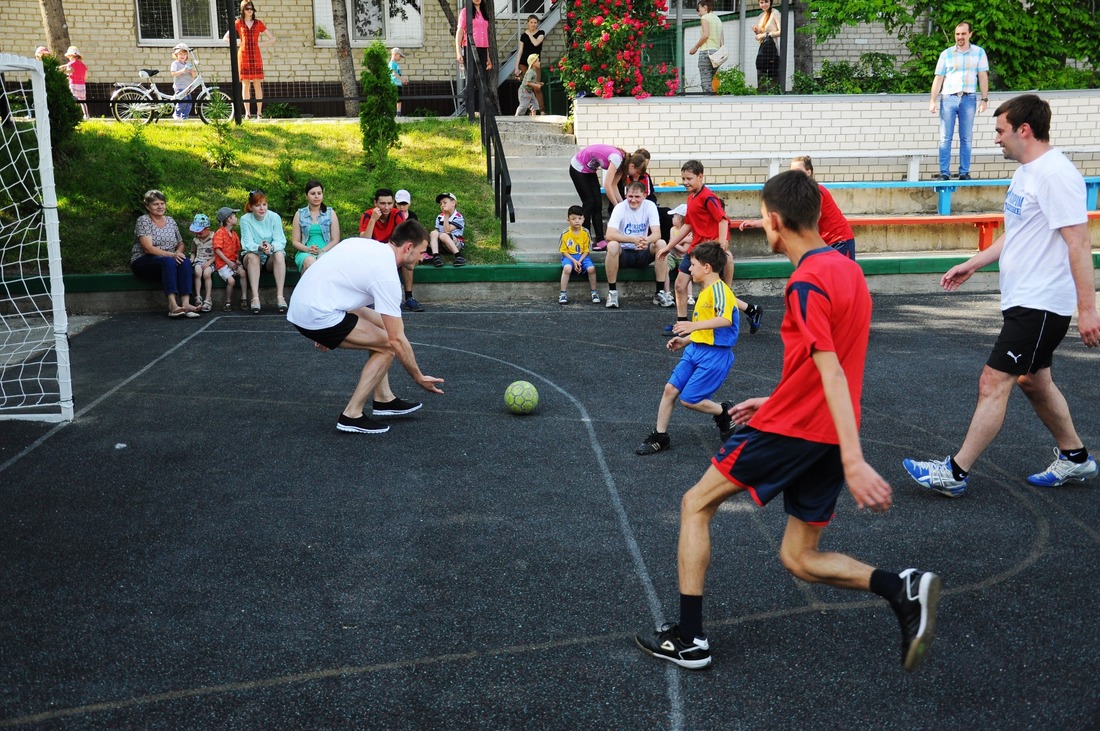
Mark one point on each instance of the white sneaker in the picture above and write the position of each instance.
(612, 299)
(664, 299)
(1062, 471)
(691, 299)
(563, 298)
(595, 297)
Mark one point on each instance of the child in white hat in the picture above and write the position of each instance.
(77, 72)
(183, 73)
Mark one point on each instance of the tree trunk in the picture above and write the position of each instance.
(491, 76)
(57, 30)
(346, 63)
(452, 18)
(803, 42)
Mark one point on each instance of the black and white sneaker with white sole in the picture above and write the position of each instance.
(361, 425)
(916, 606)
(665, 643)
(397, 407)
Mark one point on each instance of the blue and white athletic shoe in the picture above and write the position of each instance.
(1061, 471)
(936, 476)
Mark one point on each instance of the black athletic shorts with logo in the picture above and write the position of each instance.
(331, 337)
(1027, 341)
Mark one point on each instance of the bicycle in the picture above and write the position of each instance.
(144, 104)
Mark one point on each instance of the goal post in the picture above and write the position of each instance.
(35, 376)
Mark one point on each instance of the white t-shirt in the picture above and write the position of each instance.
(1045, 195)
(630, 222)
(354, 273)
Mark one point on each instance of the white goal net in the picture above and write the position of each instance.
(34, 351)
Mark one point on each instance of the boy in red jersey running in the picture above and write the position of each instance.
(801, 442)
(705, 221)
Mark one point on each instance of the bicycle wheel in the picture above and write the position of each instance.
(215, 106)
(133, 105)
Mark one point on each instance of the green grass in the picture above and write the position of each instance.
(98, 192)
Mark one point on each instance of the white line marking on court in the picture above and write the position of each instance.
(83, 412)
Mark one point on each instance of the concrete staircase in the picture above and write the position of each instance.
(538, 155)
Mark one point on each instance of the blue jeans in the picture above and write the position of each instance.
(176, 277)
(961, 108)
(183, 109)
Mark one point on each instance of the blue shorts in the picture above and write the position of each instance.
(846, 247)
(809, 474)
(586, 263)
(701, 372)
(635, 258)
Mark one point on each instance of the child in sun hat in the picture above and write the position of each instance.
(183, 73)
(77, 72)
(203, 257)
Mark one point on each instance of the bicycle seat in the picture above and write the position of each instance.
(148, 73)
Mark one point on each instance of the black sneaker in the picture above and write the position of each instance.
(916, 606)
(665, 643)
(412, 305)
(965, 176)
(755, 313)
(654, 443)
(397, 407)
(724, 421)
(437, 261)
(460, 260)
(362, 425)
(943, 177)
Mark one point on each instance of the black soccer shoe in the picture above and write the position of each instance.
(665, 643)
(362, 425)
(724, 422)
(654, 443)
(916, 606)
(397, 407)
(755, 313)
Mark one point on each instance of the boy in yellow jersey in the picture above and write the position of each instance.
(708, 340)
(573, 248)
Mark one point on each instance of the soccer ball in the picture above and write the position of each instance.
(521, 397)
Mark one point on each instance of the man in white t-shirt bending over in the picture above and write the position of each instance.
(1046, 270)
(633, 238)
(351, 298)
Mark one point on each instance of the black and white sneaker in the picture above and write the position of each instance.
(724, 422)
(755, 313)
(397, 407)
(665, 643)
(654, 443)
(362, 425)
(916, 606)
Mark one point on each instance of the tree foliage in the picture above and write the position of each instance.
(377, 112)
(1028, 43)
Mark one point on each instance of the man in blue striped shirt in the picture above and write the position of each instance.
(962, 70)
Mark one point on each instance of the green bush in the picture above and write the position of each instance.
(65, 114)
(731, 82)
(377, 111)
(874, 73)
(281, 110)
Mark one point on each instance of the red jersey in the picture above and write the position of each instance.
(382, 229)
(704, 212)
(832, 225)
(828, 309)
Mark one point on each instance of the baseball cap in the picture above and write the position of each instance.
(441, 196)
(226, 212)
(397, 51)
(680, 210)
(202, 221)
(402, 196)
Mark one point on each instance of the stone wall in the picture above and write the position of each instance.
(869, 137)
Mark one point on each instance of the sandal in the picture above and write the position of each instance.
(206, 306)
(244, 303)
(256, 306)
(282, 305)
(227, 308)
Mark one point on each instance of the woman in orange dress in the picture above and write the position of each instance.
(251, 34)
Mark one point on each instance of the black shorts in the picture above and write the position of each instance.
(1027, 341)
(809, 474)
(331, 337)
(635, 258)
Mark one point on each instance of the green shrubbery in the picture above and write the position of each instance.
(65, 114)
(377, 111)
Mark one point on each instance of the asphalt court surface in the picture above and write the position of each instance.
(202, 549)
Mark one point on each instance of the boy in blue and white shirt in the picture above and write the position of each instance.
(450, 229)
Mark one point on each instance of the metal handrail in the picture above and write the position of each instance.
(496, 162)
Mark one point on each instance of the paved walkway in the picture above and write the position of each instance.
(202, 549)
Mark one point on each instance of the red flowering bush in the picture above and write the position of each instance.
(605, 43)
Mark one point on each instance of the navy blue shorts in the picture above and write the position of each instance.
(635, 258)
(846, 247)
(809, 474)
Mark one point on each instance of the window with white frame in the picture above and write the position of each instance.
(393, 22)
(166, 22)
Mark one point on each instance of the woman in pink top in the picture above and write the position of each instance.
(78, 75)
(481, 45)
(583, 171)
